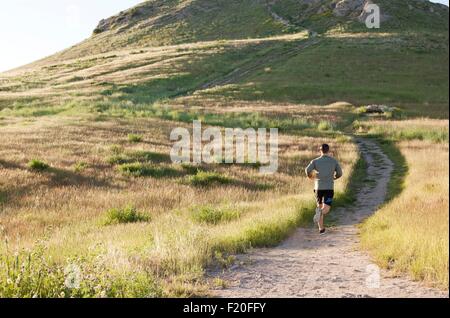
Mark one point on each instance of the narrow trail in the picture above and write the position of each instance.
(309, 265)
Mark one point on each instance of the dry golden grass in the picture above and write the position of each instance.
(57, 80)
(411, 233)
(413, 129)
(65, 204)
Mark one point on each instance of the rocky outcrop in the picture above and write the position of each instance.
(346, 8)
(128, 18)
(378, 109)
(355, 9)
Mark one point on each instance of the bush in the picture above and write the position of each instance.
(80, 166)
(214, 215)
(97, 31)
(123, 216)
(135, 138)
(137, 156)
(117, 159)
(325, 126)
(38, 165)
(190, 168)
(138, 169)
(204, 179)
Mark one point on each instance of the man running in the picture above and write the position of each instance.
(327, 169)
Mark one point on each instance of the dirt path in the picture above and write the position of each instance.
(309, 265)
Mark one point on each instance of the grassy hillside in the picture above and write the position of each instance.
(245, 50)
(156, 23)
(360, 71)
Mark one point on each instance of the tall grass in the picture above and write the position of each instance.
(397, 130)
(410, 234)
(32, 274)
(219, 211)
(232, 119)
(128, 214)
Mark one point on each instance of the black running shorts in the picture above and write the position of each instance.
(324, 196)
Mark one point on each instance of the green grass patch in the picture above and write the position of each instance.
(80, 166)
(214, 215)
(125, 215)
(325, 125)
(401, 133)
(356, 181)
(205, 179)
(327, 77)
(137, 156)
(138, 169)
(3, 197)
(400, 171)
(135, 138)
(38, 165)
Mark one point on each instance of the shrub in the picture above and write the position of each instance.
(137, 157)
(97, 31)
(203, 178)
(80, 166)
(190, 168)
(214, 215)
(38, 165)
(138, 169)
(123, 216)
(135, 138)
(325, 126)
(145, 156)
(117, 159)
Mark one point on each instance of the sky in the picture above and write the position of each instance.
(33, 29)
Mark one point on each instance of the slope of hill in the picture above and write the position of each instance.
(156, 23)
(249, 44)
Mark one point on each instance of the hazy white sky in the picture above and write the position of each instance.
(33, 29)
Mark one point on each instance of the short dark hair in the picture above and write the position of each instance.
(325, 148)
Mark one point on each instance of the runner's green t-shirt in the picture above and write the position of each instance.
(327, 170)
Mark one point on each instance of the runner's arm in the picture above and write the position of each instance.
(309, 169)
